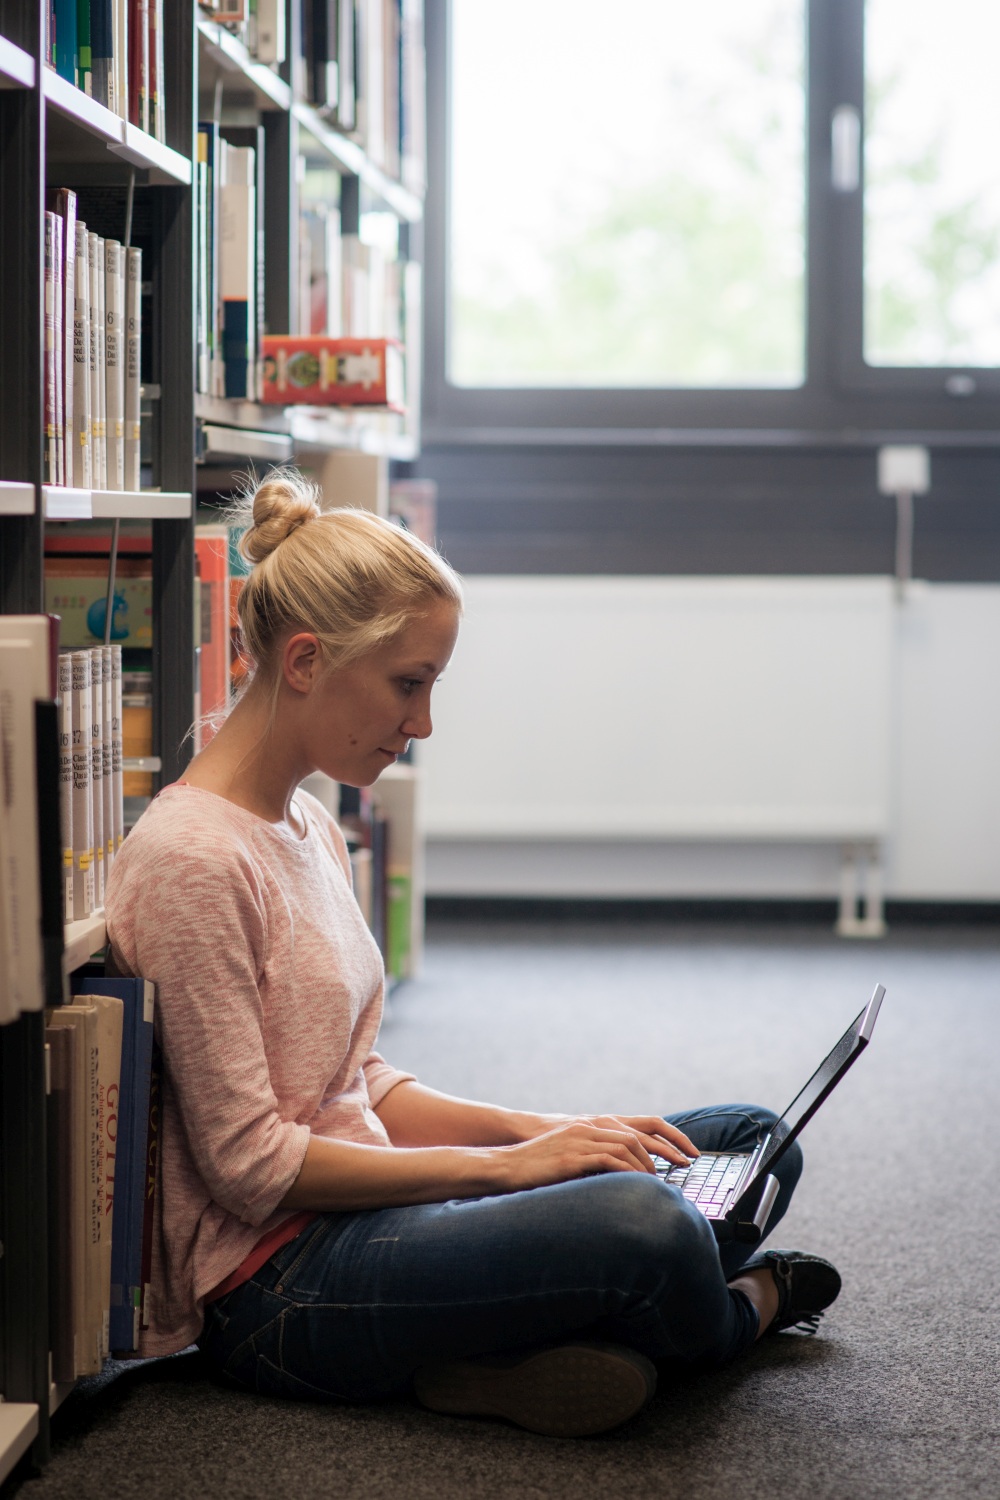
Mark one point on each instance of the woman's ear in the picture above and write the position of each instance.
(301, 658)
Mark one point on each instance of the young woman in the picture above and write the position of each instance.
(326, 1226)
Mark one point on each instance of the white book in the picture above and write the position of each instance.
(67, 201)
(96, 360)
(237, 267)
(117, 748)
(119, 60)
(97, 767)
(133, 368)
(66, 779)
(24, 678)
(83, 439)
(83, 800)
(59, 341)
(114, 364)
(270, 38)
(49, 359)
(107, 757)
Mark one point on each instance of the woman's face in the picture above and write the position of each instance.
(366, 713)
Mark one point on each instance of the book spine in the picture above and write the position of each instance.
(114, 368)
(95, 354)
(101, 52)
(58, 341)
(85, 77)
(62, 1247)
(158, 117)
(270, 41)
(133, 369)
(97, 769)
(66, 779)
(119, 54)
(51, 448)
(64, 16)
(83, 807)
(203, 293)
(83, 443)
(237, 274)
(117, 755)
(109, 1036)
(151, 1157)
(107, 758)
(77, 1169)
(66, 209)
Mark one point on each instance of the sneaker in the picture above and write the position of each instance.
(806, 1286)
(568, 1390)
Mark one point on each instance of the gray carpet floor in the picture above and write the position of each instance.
(897, 1396)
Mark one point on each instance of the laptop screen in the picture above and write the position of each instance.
(830, 1071)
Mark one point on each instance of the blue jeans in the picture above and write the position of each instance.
(359, 1301)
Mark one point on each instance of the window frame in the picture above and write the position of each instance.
(842, 400)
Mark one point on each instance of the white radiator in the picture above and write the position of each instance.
(664, 708)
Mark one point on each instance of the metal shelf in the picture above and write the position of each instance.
(76, 118)
(83, 938)
(18, 1430)
(65, 504)
(351, 159)
(222, 55)
(16, 499)
(275, 433)
(17, 69)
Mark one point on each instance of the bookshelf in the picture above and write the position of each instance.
(57, 136)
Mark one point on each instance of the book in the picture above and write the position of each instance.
(209, 149)
(63, 1247)
(151, 1164)
(114, 364)
(97, 771)
(66, 779)
(96, 353)
(109, 1054)
(24, 679)
(63, 204)
(77, 1345)
(211, 543)
(82, 446)
(67, 56)
(102, 54)
(117, 750)
(333, 372)
(138, 1000)
(52, 475)
(268, 41)
(237, 269)
(76, 589)
(82, 794)
(133, 368)
(85, 78)
(86, 1168)
(104, 653)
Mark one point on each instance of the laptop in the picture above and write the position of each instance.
(736, 1193)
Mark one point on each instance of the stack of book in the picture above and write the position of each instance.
(113, 51)
(102, 1142)
(91, 772)
(93, 353)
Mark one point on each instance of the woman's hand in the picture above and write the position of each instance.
(558, 1148)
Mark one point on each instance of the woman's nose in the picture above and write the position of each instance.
(418, 726)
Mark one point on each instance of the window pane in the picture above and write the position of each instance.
(932, 189)
(627, 193)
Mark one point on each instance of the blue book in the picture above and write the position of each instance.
(67, 60)
(101, 52)
(137, 996)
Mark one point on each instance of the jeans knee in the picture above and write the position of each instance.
(649, 1223)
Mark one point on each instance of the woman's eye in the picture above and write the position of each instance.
(410, 684)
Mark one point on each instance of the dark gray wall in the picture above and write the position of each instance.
(639, 510)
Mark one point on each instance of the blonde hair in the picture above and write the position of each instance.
(352, 578)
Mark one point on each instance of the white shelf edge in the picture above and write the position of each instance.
(16, 499)
(17, 68)
(81, 939)
(18, 1430)
(349, 155)
(64, 504)
(231, 54)
(120, 136)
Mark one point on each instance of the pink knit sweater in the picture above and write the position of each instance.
(268, 1002)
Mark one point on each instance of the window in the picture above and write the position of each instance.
(658, 218)
(627, 194)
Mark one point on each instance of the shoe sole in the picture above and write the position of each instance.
(569, 1391)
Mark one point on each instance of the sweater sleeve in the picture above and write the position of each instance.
(381, 1076)
(199, 929)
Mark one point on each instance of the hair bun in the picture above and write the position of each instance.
(275, 508)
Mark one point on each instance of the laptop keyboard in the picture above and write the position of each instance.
(707, 1182)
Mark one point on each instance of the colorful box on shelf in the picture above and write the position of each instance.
(318, 371)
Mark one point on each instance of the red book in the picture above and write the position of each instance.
(316, 371)
(211, 545)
